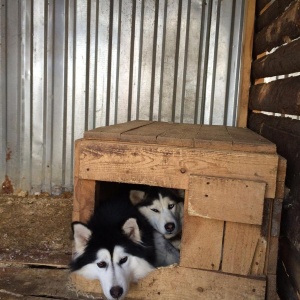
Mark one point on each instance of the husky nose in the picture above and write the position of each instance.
(170, 227)
(116, 291)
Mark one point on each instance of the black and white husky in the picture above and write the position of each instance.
(118, 246)
(163, 208)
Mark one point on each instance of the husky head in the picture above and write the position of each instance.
(115, 265)
(163, 208)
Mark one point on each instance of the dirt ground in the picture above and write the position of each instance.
(35, 248)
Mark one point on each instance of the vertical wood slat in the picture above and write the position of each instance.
(239, 238)
(84, 192)
(246, 64)
(207, 253)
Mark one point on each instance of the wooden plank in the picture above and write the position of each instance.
(84, 191)
(181, 135)
(276, 217)
(290, 256)
(240, 242)
(272, 255)
(213, 137)
(226, 199)
(284, 60)
(201, 243)
(244, 139)
(280, 96)
(258, 121)
(35, 231)
(281, 173)
(84, 199)
(284, 29)
(271, 293)
(282, 132)
(146, 134)
(266, 228)
(246, 59)
(284, 286)
(271, 13)
(259, 258)
(261, 4)
(113, 132)
(170, 166)
(36, 283)
(267, 216)
(184, 284)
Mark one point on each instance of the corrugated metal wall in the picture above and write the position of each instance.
(72, 65)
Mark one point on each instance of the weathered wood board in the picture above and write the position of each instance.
(280, 96)
(271, 13)
(170, 166)
(284, 60)
(240, 242)
(178, 283)
(245, 68)
(201, 243)
(285, 28)
(28, 283)
(226, 199)
(84, 204)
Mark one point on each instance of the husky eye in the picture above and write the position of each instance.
(170, 206)
(123, 260)
(155, 210)
(102, 264)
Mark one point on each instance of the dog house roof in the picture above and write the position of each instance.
(184, 135)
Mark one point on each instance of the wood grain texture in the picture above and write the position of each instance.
(178, 283)
(247, 47)
(290, 256)
(281, 174)
(181, 135)
(170, 166)
(240, 243)
(276, 217)
(271, 293)
(30, 283)
(244, 139)
(284, 60)
(279, 96)
(261, 4)
(147, 134)
(259, 258)
(113, 132)
(272, 255)
(271, 13)
(201, 243)
(283, 29)
(285, 133)
(226, 199)
(213, 137)
(84, 199)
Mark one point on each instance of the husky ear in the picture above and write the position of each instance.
(132, 230)
(136, 196)
(81, 237)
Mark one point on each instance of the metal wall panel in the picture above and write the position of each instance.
(71, 65)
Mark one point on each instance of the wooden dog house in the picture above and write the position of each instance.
(232, 179)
